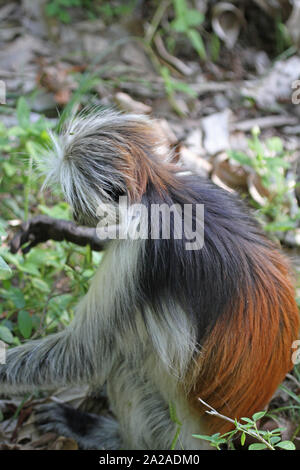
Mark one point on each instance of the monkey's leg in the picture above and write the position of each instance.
(143, 412)
(90, 431)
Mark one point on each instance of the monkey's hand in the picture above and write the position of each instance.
(35, 364)
(43, 228)
(34, 231)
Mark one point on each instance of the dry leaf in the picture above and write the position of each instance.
(227, 21)
(258, 192)
(193, 162)
(64, 443)
(128, 104)
(228, 173)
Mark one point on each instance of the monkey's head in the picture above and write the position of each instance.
(103, 156)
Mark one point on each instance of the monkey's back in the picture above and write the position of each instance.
(238, 296)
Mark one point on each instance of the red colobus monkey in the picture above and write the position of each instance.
(160, 323)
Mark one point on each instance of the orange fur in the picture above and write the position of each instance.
(140, 165)
(248, 352)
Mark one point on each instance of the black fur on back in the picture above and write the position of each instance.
(203, 282)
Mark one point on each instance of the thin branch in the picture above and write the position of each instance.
(238, 425)
(162, 7)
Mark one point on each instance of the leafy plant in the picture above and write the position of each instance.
(111, 11)
(5, 271)
(38, 291)
(171, 86)
(176, 421)
(186, 21)
(59, 8)
(269, 161)
(19, 149)
(268, 440)
(282, 37)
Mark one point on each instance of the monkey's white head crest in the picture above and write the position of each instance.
(99, 157)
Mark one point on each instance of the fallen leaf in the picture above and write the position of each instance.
(192, 161)
(64, 443)
(229, 173)
(227, 21)
(258, 192)
(128, 104)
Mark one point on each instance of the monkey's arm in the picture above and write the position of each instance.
(82, 353)
(42, 228)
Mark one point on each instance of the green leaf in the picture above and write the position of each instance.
(248, 420)
(289, 392)
(193, 17)
(205, 438)
(180, 8)
(275, 144)
(173, 414)
(286, 445)
(278, 430)
(64, 16)
(214, 46)
(279, 226)
(181, 86)
(40, 285)
(175, 439)
(52, 9)
(2, 229)
(59, 211)
(243, 438)
(88, 273)
(23, 113)
(16, 131)
(258, 416)
(240, 157)
(5, 271)
(16, 296)
(25, 323)
(179, 25)
(197, 42)
(5, 335)
(12, 259)
(29, 268)
(275, 439)
(9, 169)
(41, 257)
(257, 446)
(32, 148)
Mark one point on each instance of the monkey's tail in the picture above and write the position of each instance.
(249, 350)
